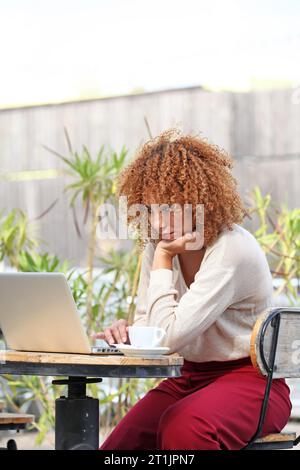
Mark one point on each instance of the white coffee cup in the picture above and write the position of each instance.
(146, 336)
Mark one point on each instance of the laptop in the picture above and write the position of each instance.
(38, 313)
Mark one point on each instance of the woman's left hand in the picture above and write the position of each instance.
(179, 245)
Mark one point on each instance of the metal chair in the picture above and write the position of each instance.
(275, 353)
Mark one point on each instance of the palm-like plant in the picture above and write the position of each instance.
(15, 236)
(279, 235)
(94, 184)
(41, 262)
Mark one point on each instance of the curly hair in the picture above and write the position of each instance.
(187, 168)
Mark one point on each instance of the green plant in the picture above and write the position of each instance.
(40, 262)
(21, 390)
(94, 184)
(15, 236)
(278, 233)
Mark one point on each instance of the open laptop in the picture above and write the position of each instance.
(38, 313)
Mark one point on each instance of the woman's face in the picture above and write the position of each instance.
(168, 222)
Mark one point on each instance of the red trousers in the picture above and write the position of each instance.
(212, 406)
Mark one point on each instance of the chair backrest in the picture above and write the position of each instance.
(279, 328)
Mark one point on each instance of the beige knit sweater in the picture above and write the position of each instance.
(211, 320)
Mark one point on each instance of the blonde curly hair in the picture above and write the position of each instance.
(185, 168)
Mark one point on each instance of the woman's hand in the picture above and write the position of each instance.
(167, 249)
(178, 245)
(117, 333)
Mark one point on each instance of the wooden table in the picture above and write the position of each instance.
(77, 416)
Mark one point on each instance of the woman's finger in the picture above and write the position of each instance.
(123, 332)
(117, 334)
(109, 336)
(99, 335)
(194, 241)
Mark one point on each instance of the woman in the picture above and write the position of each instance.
(207, 299)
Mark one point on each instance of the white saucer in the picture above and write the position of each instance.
(129, 350)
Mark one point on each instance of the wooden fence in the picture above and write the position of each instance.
(261, 130)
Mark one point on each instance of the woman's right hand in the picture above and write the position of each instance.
(117, 333)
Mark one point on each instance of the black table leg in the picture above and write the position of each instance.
(76, 417)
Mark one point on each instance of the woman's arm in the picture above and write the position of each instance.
(140, 317)
(212, 292)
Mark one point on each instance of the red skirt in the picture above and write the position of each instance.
(212, 406)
